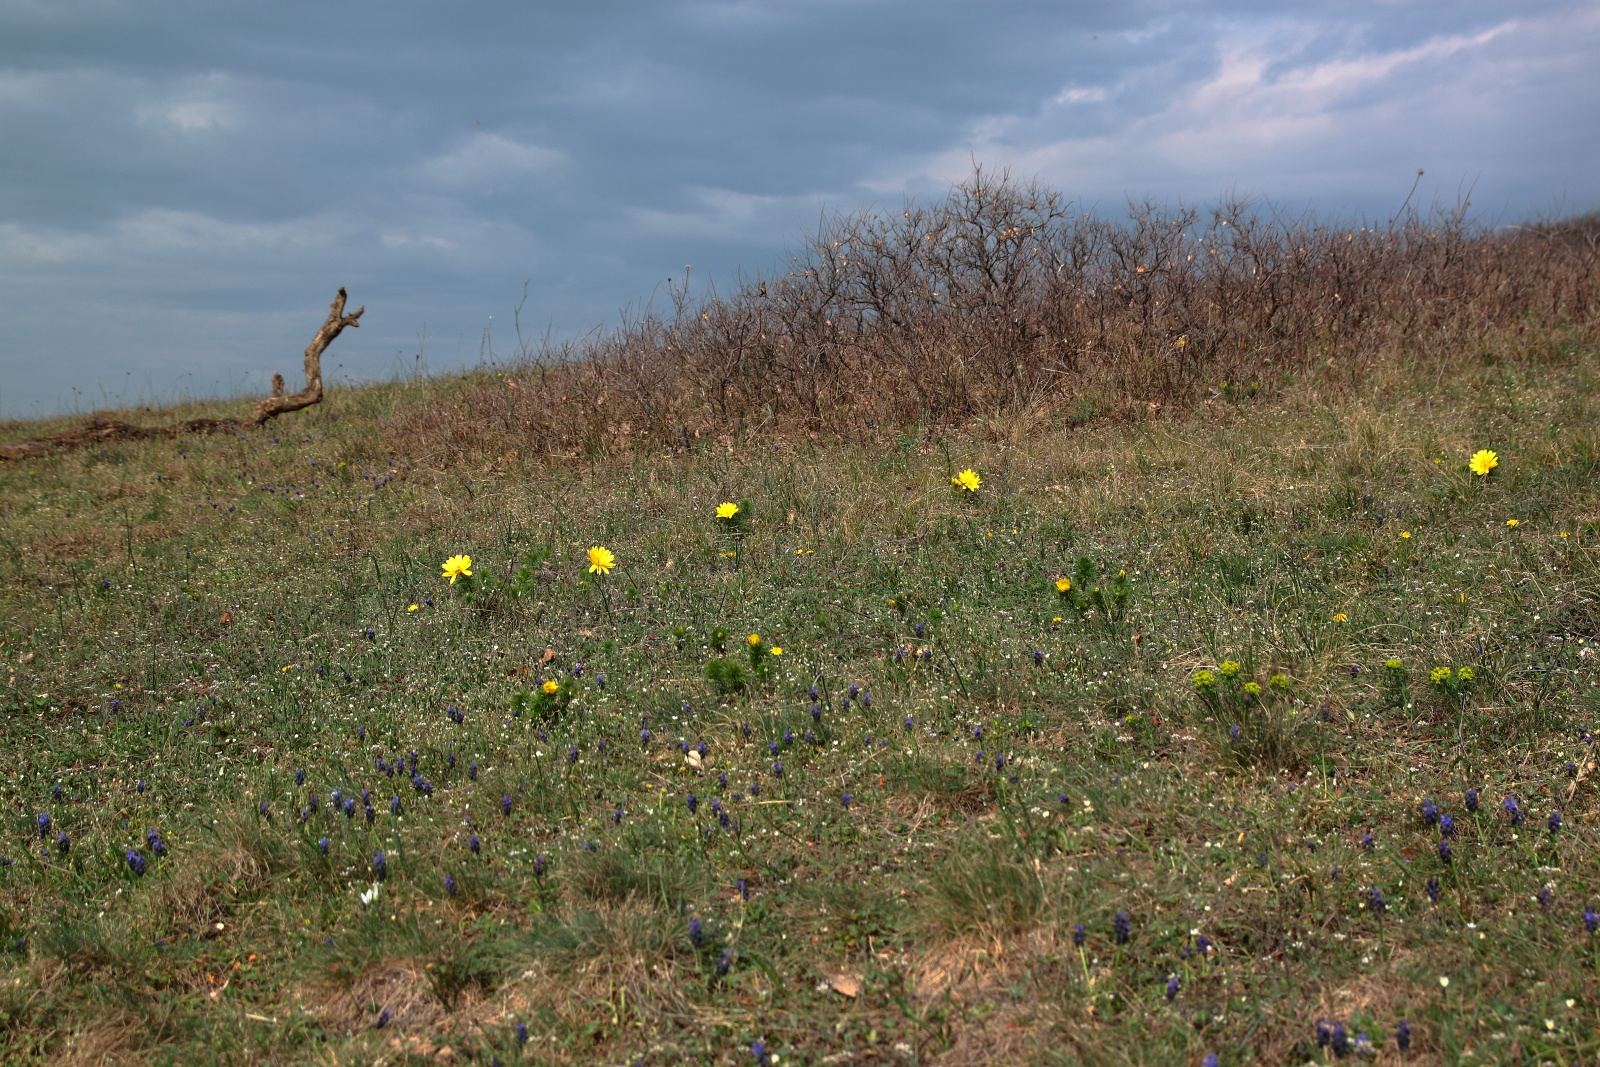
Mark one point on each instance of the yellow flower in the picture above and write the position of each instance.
(727, 510)
(1056, 619)
(776, 650)
(456, 567)
(550, 687)
(1279, 681)
(1228, 668)
(601, 560)
(755, 640)
(1439, 675)
(1483, 461)
(1063, 585)
(729, 555)
(1405, 535)
(288, 666)
(412, 608)
(968, 480)
(1511, 522)
(1204, 680)
(1340, 616)
(1253, 688)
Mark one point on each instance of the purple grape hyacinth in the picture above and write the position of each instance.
(1514, 810)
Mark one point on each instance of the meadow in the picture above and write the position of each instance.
(1251, 729)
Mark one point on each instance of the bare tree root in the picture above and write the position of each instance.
(267, 409)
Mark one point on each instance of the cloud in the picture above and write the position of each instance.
(162, 236)
(1273, 113)
(485, 160)
(719, 213)
(191, 105)
(1082, 96)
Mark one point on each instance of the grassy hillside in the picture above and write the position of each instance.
(278, 791)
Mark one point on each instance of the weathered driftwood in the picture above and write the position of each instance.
(267, 409)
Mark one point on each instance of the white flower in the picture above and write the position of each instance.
(369, 895)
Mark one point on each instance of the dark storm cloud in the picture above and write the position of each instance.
(182, 186)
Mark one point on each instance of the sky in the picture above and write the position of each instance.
(185, 185)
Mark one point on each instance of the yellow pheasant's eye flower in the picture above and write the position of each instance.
(1340, 616)
(776, 650)
(727, 510)
(412, 608)
(1063, 585)
(755, 640)
(550, 687)
(456, 567)
(968, 480)
(1405, 535)
(601, 560)
(1483, 461)
(1512, 522)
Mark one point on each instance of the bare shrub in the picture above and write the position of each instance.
(1004, 301)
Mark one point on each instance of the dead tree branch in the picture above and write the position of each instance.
(276, 404)
(269, 408)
